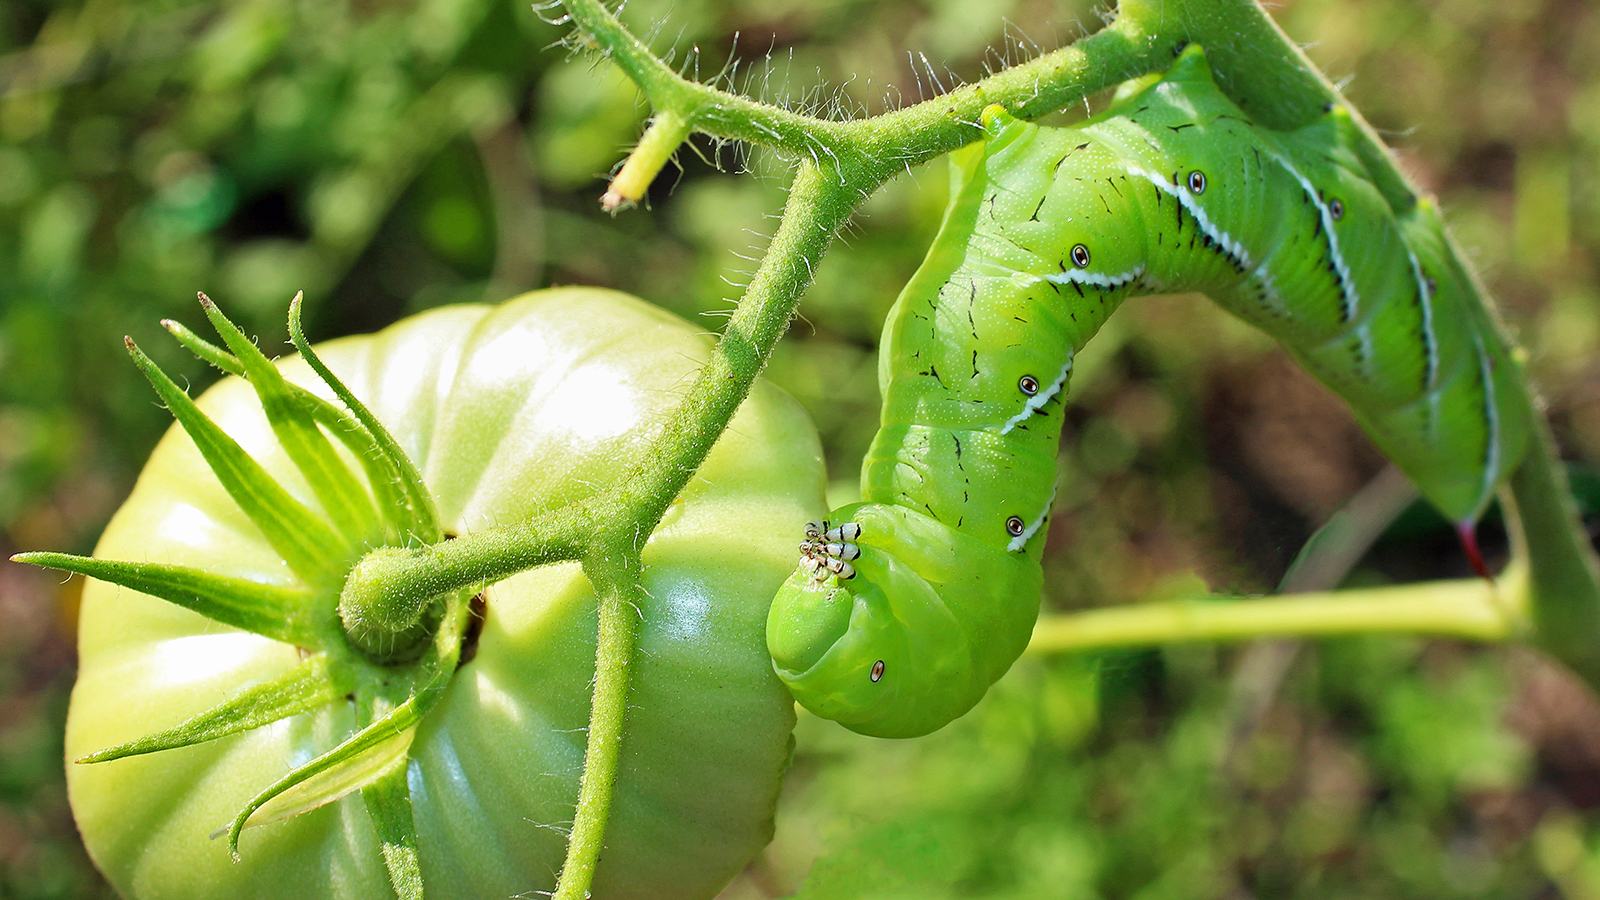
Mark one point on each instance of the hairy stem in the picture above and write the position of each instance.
(388, 592)
(620, 593)
(816, 209)
(863, 154)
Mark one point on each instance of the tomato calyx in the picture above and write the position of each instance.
(392, 656)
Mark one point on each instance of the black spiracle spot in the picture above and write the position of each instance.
(1028, 385)
(1015, 526)
(1336, 208)
(877, 672)
(1080, 256)
(1197, 182)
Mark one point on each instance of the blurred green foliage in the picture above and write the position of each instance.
(387, 157)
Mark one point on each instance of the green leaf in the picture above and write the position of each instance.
(343, 498)
(274, 611)
(420, 520)
(347, 768)
(388, 800)
(312, 549)
(301, 689)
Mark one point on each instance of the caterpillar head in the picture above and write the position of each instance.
(880, 652)
(927, 622)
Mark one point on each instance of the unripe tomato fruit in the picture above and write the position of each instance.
(507, 411)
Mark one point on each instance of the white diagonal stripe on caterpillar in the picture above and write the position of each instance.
(1223, 239)
(1037, 401)
(1021, 540)
(1341, 270)
(1084, 276)
(1430, 344)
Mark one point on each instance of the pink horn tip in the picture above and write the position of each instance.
(1467, 531)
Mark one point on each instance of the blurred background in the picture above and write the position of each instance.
(388, 156)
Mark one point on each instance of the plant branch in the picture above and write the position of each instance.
(388, 592)
(667, 130)
(816, 209)
(621, 592)
(1471, 609)
(1564, 578)
(625, 518)
(874, 149)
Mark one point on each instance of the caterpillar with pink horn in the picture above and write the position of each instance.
(906, 607)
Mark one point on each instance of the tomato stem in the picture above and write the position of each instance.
(385, 617)
(1472, 609)
(620, 592)
(388, 593)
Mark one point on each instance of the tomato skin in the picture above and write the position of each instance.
(508, 411)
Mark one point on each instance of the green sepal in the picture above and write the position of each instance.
(421, 520)
(313, 550)
(342, 424)
(204, 349)
(380, 474)
(383, 738)
(301, 689)
(353, 753)
(343, 498)
(388, 800)
(274, 611)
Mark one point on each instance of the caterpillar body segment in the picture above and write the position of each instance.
(1047, 232)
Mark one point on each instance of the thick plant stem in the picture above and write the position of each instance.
(620, 594)
(1565, 581)
(387, 593)
(407, 580)
(1473, 609)
(863, 154)
(816, 209)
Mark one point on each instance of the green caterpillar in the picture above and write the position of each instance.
(907, 606)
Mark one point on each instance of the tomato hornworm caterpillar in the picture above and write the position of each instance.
(907, 606)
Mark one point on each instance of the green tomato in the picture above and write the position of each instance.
(507, 411)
